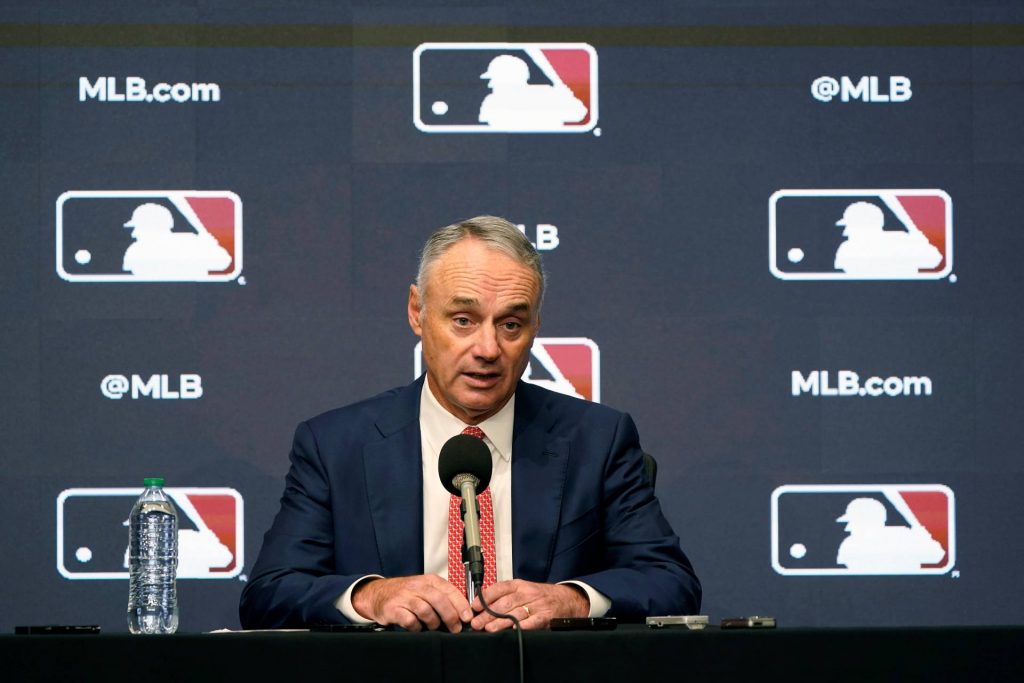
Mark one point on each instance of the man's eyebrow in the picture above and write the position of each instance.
(471, 302)
(522, 308)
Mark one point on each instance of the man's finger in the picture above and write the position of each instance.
(528, 619)
(503, 605)
(441, 603)
(493, 593)
(404, 618)
(451, 606)
(457, 600)
(488, 622)
(499, 625)
(481, 620)
(508, 603)
(425, 612)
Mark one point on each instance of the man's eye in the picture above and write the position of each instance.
(511, 325)
(462, 321)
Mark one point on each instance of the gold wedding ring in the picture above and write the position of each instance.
(527, 610)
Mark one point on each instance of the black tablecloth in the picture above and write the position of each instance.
(629, 653)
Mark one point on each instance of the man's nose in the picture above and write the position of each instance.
(486, 343)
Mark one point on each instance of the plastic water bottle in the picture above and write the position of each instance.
(153, 562)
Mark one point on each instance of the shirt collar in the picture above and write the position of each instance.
(497, 428)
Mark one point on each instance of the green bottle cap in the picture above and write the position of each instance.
(153, 481)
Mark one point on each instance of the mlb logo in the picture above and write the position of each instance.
(860, 234)
(505, 87)
(568, 365)
(149, 236)
(92, 532)
(861, 530)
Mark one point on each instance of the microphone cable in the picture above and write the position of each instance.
(518, 628)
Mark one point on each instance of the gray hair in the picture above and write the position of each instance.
(497, 233)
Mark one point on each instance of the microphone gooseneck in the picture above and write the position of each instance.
(464, 468)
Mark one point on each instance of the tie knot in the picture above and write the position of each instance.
(474, 431)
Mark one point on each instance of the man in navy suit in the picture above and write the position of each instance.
(362, 534)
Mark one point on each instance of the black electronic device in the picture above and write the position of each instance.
(693, 622)
(57, 630)
(748, 622)
(347, 628)
(583, 624)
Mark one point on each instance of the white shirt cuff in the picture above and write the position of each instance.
(344, 602)
(599, 602)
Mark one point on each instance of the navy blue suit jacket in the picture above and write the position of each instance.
(353, 505)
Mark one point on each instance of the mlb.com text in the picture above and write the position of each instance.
(848, 383)
(109, 89)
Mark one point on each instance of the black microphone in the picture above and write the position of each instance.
(465, 468)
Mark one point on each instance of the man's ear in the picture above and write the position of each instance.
(415, 310)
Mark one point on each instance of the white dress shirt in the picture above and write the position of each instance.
(437, 425)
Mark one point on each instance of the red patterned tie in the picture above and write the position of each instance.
(456, 568)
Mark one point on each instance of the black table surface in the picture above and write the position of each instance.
(631, 653)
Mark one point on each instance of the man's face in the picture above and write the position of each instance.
(477, 322)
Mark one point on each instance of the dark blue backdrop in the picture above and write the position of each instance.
(705, 110)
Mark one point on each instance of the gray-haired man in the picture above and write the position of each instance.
(363, 530)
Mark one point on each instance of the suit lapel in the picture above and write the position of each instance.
(394, 486)
(539, 462)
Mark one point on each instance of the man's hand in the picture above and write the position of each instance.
(412, 602)
(534, 604)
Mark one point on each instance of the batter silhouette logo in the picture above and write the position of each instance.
(92, 532)
(863, 529)
(149, 236)
(860, 235)
(568, 365)
(505, 88)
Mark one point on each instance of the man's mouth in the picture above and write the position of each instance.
(482, 378)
